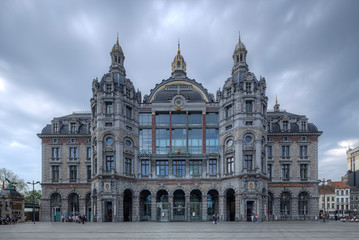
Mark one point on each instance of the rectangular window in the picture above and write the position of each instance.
(195, 168)
(248, 162)
(304, 172)
(88, 153)
(108, 87)
(346, 192)
(145, 119)
(212, 137)
(213, 167)
(230, 165)
(128, 93)
(333, 199)
(109, 107)
(178, 119)
(304, 125)
(285, 172)
(145, 167)
(73, 127)
(128, 166)
(249, 106)
(145, 137)
(332, 205)
(55, 173)
(248, 87)
(285, 125)
(195, 140)
(110, 164)
(194, 119)
(162, 119)
(162, 141)
(162, 168)
(212, 119)
(269, 170)
(129, 112)
(285, 152)
(73, 173)
(179, 139)
(56, 128)
(269, 152)
(303, 151)
(55, 153)
(88, 172)
(229, 111)
(73, 153)
(179, 168)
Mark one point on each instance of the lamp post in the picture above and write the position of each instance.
(33, 198)
(323, 187)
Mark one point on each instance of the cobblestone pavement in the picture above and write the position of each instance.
(181, 230)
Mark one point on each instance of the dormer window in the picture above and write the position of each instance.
(178, 64)
(248, 87)
(128, 93)
(285, 125)
(304, 125)
(56, 128)
(73, 128)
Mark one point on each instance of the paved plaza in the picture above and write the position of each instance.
(182, 230)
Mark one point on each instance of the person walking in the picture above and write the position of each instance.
(214, 219)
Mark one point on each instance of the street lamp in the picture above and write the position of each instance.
(323, 187)
(33, 198)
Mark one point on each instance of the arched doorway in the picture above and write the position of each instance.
(163, 206)
(73, 203)
(285, 205)
(145, 205)
(179, 208)
(55, 207)
(127, 206)
(303, 200)
(194, 213)
(212, 203)
(88, 207)
(230, 206)
(270, 206)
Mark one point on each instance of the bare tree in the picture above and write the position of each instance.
(20, 184)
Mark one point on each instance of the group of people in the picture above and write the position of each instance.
(6, 220)
(74, 218)
(215, 219)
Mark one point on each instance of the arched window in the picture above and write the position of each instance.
(285, 203)
(303, 203)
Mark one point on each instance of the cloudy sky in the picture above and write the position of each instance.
(50, 51)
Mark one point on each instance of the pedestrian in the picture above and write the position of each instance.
(252, 218)
(214, 219)
(217, 218)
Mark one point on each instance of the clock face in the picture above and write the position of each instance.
(229, 143)
(128, 143)
(178, 102)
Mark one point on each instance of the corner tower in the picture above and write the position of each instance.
(114, 138)
(243, 111)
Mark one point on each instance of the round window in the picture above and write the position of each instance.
(128, 143)
(109, 140)
(229, 142)
(248, 139)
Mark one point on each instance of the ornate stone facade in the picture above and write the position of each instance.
(181, 154)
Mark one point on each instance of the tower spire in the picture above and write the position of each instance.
(117, 39)
(179, 46)
(239, 36)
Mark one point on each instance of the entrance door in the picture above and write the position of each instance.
(179, 206)
(249, 211)
(108, 217)
(57, 215)
(194, 212)
(163, 211)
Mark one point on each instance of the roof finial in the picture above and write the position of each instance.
(276, 99)
(179, 49)
(117, 39)
(239, 36)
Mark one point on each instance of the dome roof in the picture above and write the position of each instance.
(117, 47)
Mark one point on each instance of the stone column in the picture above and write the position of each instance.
(187, 201)
(153, 208)
(222, 208)
(237, 207)
(204, 208)
(135, 208)
(170, 209)
(82, 206)
(120, 207)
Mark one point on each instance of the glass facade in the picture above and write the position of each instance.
(145, 119)
(162, 141)
(145, 137)
(195, 119)
(212, 138)
(178, 119)
(212, 119)
(179, 139)
(162, 119)
(195, 140)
